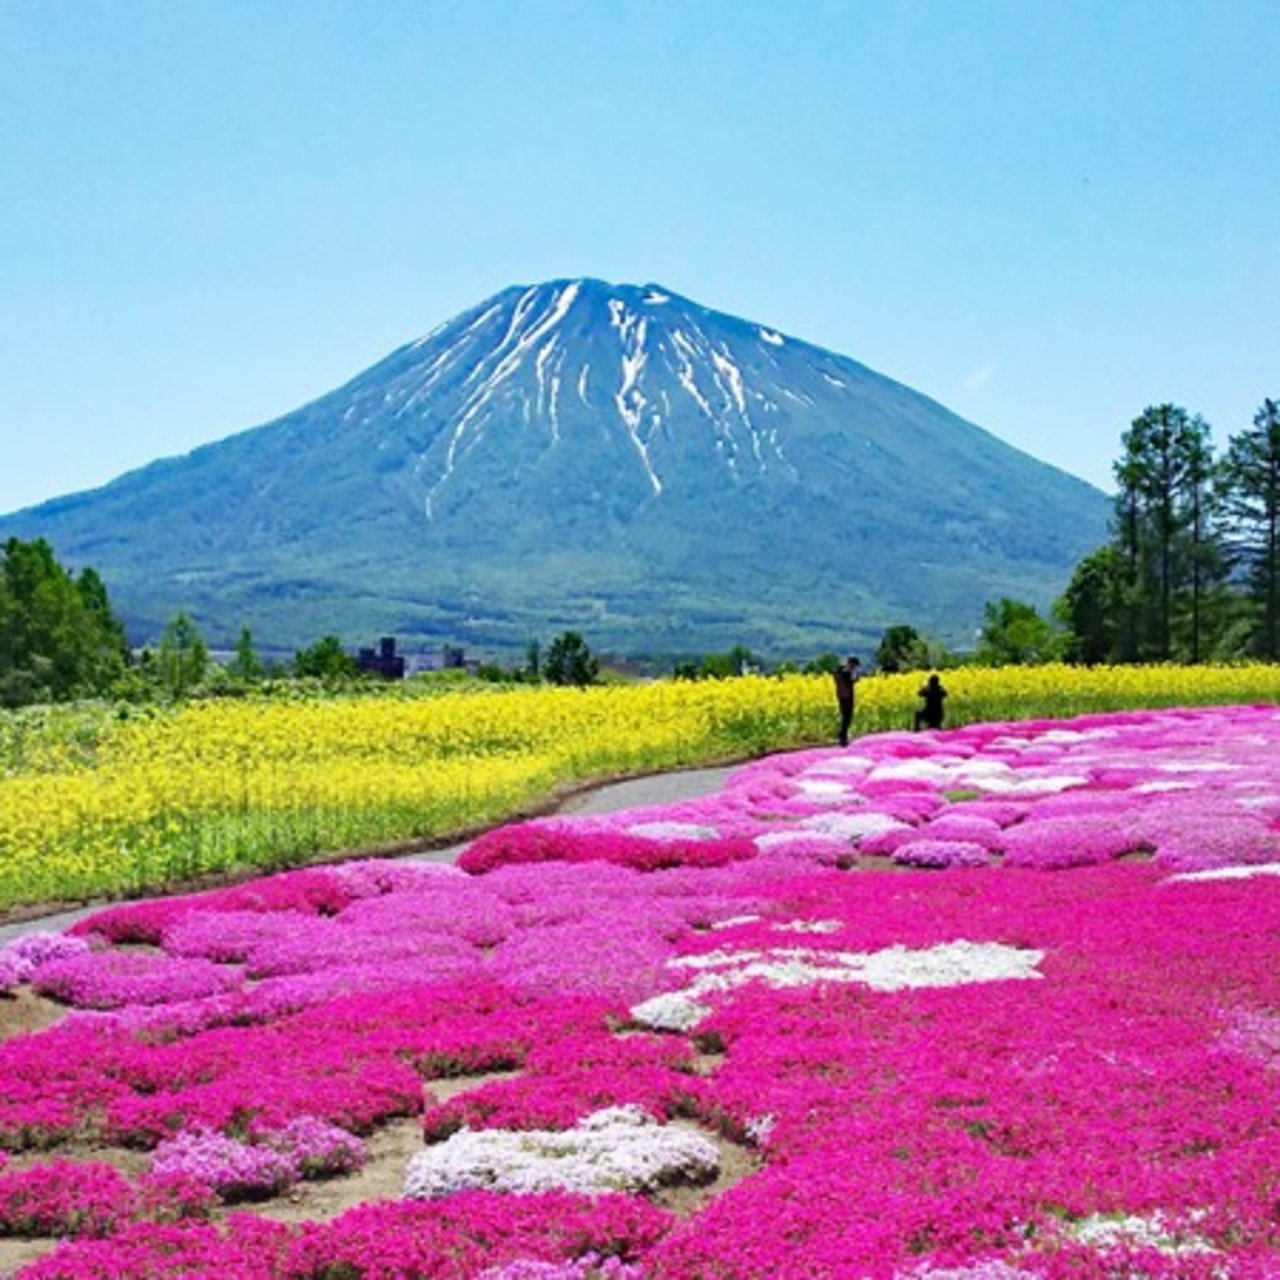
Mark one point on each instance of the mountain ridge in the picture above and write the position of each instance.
(614, 457)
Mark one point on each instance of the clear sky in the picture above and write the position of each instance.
(1046, 214)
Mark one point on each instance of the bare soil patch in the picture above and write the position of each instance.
(21, 1011)
(736, 1163)
(16, 1253)
(382, 1178)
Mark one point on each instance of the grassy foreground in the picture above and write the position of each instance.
(93, 804)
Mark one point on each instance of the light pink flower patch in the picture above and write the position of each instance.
(937, 854)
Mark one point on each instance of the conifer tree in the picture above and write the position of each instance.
(1251, 494)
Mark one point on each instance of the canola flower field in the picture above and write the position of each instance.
(100, 802)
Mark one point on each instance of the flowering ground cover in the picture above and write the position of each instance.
(989, 1004)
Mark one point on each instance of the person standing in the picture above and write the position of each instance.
(846, 675)
(933, 695)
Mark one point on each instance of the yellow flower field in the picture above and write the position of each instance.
(93, 804)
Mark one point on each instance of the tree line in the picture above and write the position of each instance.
(60, 639)
(1192, 569)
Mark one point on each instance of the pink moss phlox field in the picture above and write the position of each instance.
(304, 1148)
(939, 853)
(68, 1198)
(456, 1239)
(1107, 1106)
(22, 958)
(111, 979)
(314, 891)
(568, 1079)
(548, 842)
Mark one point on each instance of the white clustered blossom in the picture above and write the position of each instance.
(776, 839)
(997, 777)
(841, 764)
(988, 1269)
(758, 1128)
(808, 926)
(976, 770)
(671, 1011)
(893, 969)
(1152, 1232)
(617, 1149)
(912, 771)
(732, 922)
(846, 826)
(672, 831)
(1228, 873)
(825, 789)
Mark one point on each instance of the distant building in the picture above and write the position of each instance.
(383, 661)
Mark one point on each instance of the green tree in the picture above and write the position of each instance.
(721, 666)
(246, 665)
(533, 662)
(182, 658)
(1014, 634)
(1165, 531)
(823, 665)
(59, 638)
(325, 660)
(1129, 545)
(570, 661)
(1200, 551)
(902, 648)
(1092, 608)
(1251, 497)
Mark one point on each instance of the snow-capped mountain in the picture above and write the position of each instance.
(616, 458)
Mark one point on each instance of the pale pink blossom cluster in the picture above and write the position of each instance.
(236, 1170)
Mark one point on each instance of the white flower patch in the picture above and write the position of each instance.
(772, 839)
(1227, 873)
(1022, 785)
(988, 1269)
(672, 831)
(714, 959)
(1257, 802)
(617, 1149)
(1148, 788)
(732, 922)
(758, 1128)
(841, 764)
(1198, 766)
(912, 771)
(1151, 1232)
(671, 1011)
(893, 969)
(977, 770)
(825, 790)
(849, 826)
(808, 926)
(949, 965)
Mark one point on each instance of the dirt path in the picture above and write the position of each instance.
(609, 797)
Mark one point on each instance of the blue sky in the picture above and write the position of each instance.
(1044, 214)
